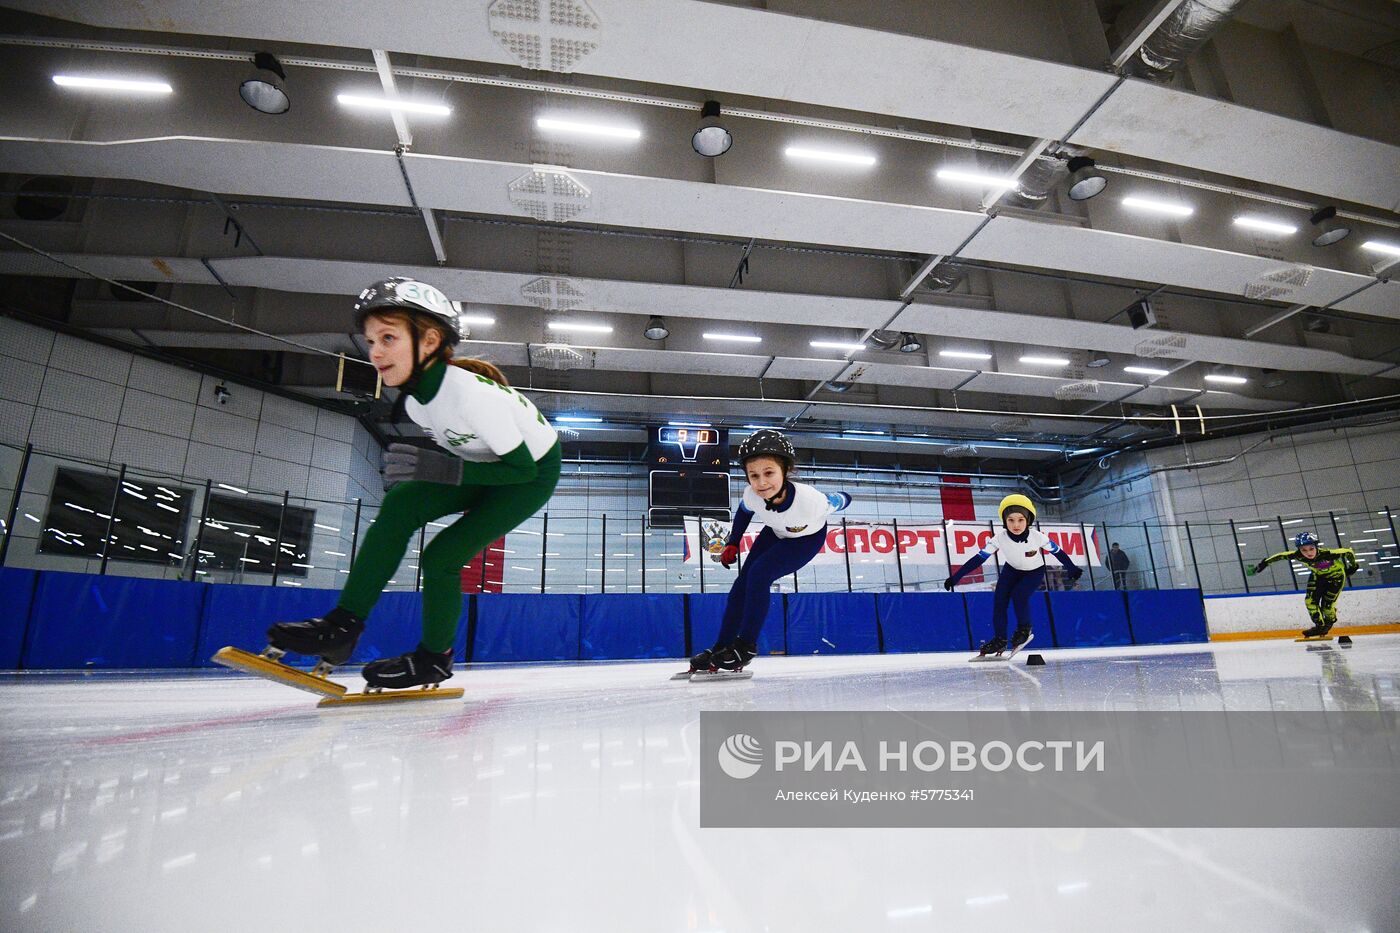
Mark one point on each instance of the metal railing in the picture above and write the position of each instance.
(215, 532)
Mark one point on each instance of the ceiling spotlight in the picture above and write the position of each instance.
(1085, 180)
(1329, 229)
(910, 344)
(711, 138)
(656, 329)
(265, 89)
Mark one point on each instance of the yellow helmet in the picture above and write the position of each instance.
(1016, 500)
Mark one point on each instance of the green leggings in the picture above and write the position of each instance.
(491, 511)
(1321, 597)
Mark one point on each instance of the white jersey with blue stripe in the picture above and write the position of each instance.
(1021, 555)
(804, 515)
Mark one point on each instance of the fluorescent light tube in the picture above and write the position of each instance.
(396, 106)
(588, 129)
(819, 155)
(1158, 207)
(113, 84)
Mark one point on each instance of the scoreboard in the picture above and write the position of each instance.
(689, 473)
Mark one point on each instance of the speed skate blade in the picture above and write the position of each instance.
(714, 677)
(397, 696)
(1315, 638)
(990, 657)
(683, 675)
(268, 669)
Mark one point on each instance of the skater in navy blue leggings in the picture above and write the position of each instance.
(1023, 551)
(769, 560)
(794, 519)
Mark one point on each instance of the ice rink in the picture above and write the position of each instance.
(565, 798)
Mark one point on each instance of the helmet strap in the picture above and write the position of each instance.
(783, 489)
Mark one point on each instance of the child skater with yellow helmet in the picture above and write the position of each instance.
(1022, 572)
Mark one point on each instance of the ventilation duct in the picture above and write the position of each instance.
(1185, 31)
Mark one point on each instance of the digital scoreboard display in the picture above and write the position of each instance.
(689, 473)
(676, 447)
(687, 441)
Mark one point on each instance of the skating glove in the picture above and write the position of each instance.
(729, 555)
(404, 463)
(948, 584)
(1251, 571)
(1075, 573)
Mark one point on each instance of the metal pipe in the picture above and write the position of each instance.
(846, 548)
(199, 531)
(898, 562)
(1152, 558)
(14, 503)
(1238, 556)
(1195, 564)
(111, 521)
(544, 548)
(355, 532)
(277, 545)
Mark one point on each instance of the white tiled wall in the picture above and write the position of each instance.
(1350, 472)
(88, 405)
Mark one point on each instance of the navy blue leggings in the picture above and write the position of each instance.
(1015, 587)
(770, 559)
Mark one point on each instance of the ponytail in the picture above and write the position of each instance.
(481, 368)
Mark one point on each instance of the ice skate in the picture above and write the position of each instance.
(992, 650)
(702, 662)
(1019, 639)
(419, 668)
(729, 663)
(331, 638)
(1317, 633)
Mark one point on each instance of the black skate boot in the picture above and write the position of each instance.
(331, 638)
(1318, 630)
(992, 647)
(736, 657)
(700, 663)
(1020, 638)
(420, 668)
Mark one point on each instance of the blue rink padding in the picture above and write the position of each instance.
(635, 625)
(81, 620)
(527, 627)
(239, 615)
(1166, 617)
(832, 623)
(707, 612)
(979, 618)
(1089, 619)
(914, 622)
(17, 596)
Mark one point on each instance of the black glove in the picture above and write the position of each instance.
(406, 463)
(948, 584)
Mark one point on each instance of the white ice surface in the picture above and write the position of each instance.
(565, 798)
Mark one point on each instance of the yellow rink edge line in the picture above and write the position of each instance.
(1293, 633)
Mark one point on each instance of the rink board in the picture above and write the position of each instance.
(17, 596)
(1272, 612)
(56, 620)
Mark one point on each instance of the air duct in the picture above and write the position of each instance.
(1185, 31)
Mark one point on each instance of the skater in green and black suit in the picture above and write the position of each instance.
(1331, 569)
(495, 462)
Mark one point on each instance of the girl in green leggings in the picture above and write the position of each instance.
(498, 463)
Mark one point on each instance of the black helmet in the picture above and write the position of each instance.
(767, 443)
(401, 293)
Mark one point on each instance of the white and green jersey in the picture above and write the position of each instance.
(480, 420)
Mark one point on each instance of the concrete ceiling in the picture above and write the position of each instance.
(325, 203)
